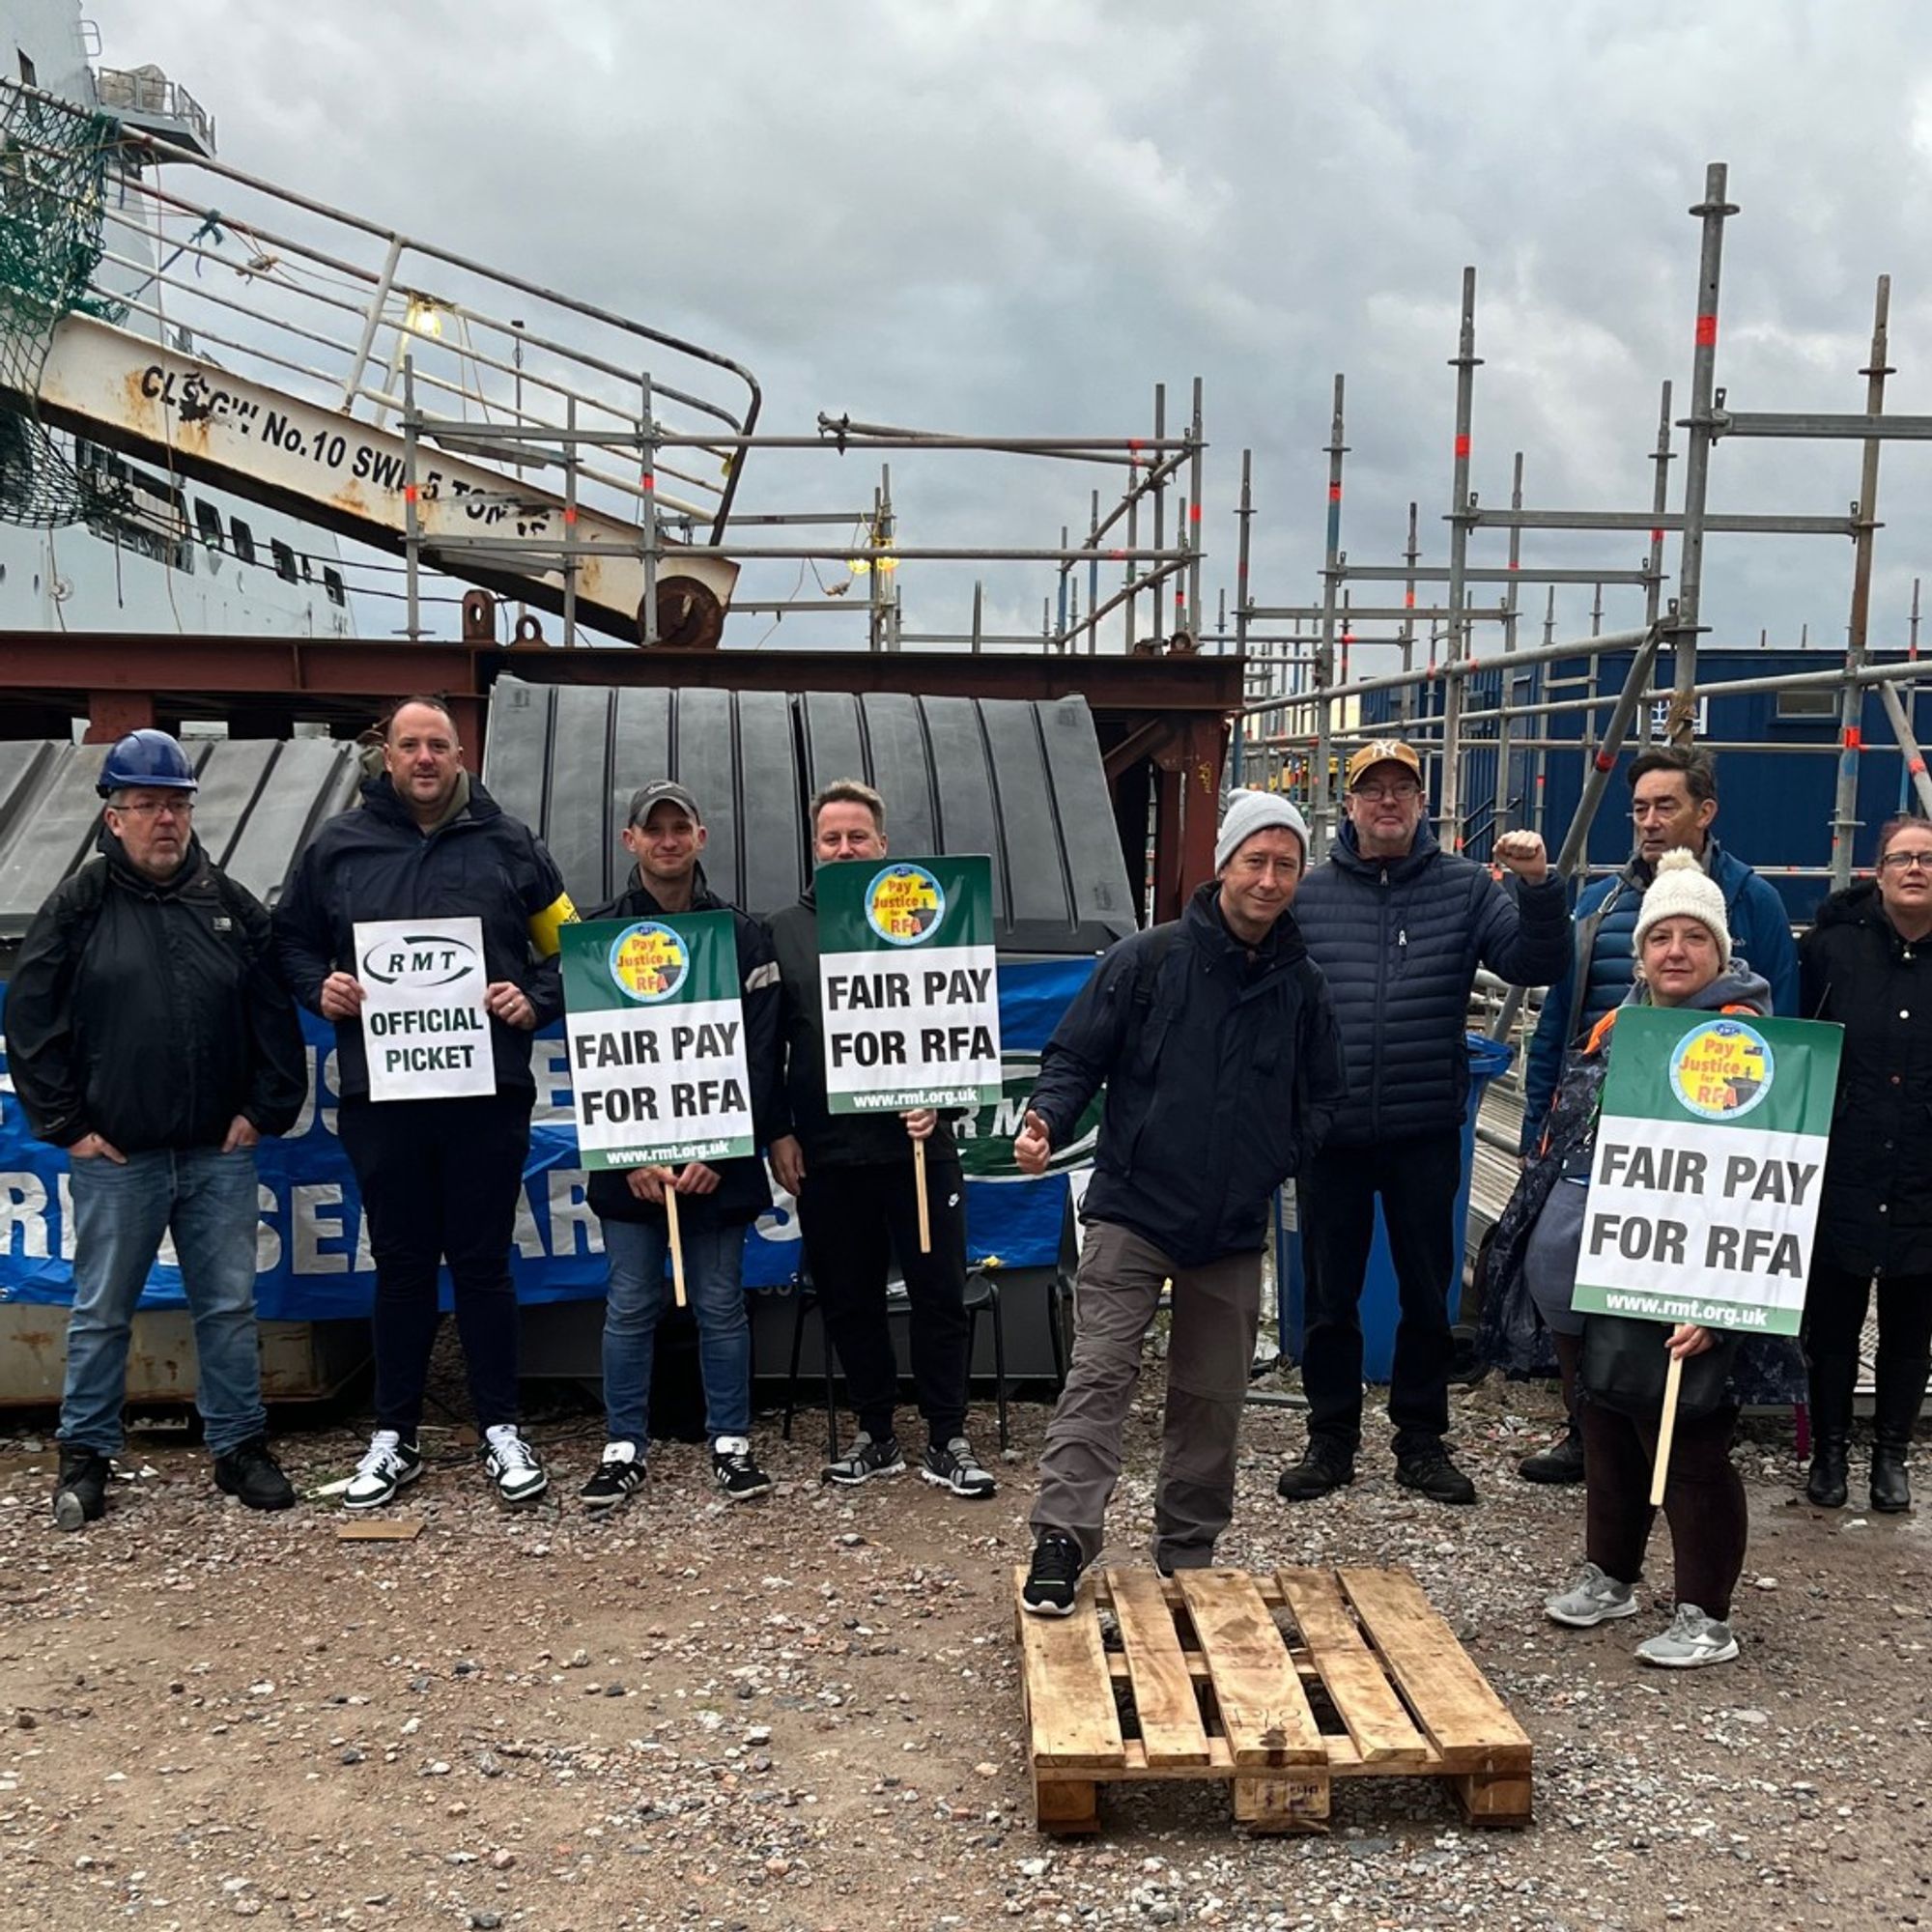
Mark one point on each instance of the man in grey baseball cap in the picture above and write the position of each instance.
(1216, 1040)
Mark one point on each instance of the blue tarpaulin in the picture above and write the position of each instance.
(313, 1263)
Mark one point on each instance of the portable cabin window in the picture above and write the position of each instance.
(208, 521)
(1805, 706)
(245, 540)
(285, 559)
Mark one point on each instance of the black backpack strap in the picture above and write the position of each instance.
(1147, 968)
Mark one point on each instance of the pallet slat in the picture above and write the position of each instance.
(1164, 1698)
(1383, 1731)
(1462, 1716)
(1263, 1709)
(1069, 1695)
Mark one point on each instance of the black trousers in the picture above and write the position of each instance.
(440, 1180)
(1703, 1500)
(1835, 1318)
(853, 1220)
(1417, 1179)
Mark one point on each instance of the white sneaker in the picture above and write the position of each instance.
(387, 1466)
(1594, 1599)
(1692, 1638)
(512, 1465)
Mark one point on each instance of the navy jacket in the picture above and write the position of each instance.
(1222, 1073)
(1605, 930)
(151, 1013)
(1400, 941)
(744, 1191)
(1875, 1213)
(376, 863)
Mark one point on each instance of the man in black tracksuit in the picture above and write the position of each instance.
(852, 1176)
(1400, 928)
(1216, 1040)
(664, 834)
(148, 1035)
(441, 1178)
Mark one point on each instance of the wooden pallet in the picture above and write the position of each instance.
(1274, 1685)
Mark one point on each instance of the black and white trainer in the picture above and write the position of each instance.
(512, 1465)
(1053, 1581)
(619, 1476)
(865, 1460)
(957, 1468)
(388, 1463)
(735, 1469)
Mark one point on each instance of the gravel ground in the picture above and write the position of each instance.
(805, 1713)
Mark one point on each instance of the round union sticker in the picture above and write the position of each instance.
(904, 904)
(1721, 1068)
(649, 962)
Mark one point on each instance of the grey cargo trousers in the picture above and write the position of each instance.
(1216, 1310)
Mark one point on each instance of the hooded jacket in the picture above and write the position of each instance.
(1603, 951)
(1399, 942)
(1223, 1071)
(376, 863)
(1875, 1213)
(827, 1139)
(744, 1191)
(151, 1013)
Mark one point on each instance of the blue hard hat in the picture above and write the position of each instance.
(146, 757)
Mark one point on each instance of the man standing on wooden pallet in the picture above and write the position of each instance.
(1216, 1040)
(1400, 927)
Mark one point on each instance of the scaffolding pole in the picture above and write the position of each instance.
(1320, 795)
(1466, 365)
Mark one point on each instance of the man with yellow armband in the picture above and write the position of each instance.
(439, 1176)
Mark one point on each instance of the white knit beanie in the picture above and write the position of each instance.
(1683, 890)
(1252, 812)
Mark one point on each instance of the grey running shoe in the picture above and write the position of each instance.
(957, 1468)
(1692, 1638)
(1593, 1598)
(865, 1460)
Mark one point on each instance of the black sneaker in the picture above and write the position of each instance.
(1430, 1471)
(80, 1489)
(1324, 1466)
(250, 1472)
(735, 1469)
(1053, 1581)
(865, 1460)
(618, 1477)
(1562, 1462)
(955, 1467)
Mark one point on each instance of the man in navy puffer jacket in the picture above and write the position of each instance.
(1398, 928)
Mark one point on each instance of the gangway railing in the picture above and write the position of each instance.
(260, 339)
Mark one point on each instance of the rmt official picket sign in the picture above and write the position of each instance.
(423, 1018)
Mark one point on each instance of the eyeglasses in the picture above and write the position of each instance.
(1906, 861)
(176, 807)
(1400, 793)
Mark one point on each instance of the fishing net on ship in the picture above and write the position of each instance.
(53, 178)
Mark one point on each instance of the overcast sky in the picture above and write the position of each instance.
(1019, 215)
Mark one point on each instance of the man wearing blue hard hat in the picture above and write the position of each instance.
(149, 1036)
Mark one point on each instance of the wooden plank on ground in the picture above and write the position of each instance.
(1263, 1709)
(1069, 1696)
(1164, 1699)
(1459, 1713)
(1358, 1684)
(379, 1529)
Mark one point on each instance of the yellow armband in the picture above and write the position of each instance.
(544, 925)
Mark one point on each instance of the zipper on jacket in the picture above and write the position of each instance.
(1381, 1003)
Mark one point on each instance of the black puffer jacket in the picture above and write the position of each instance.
(151, 1013)
(1400, 941)
(827, 1139)
(1875, 1214)
(376, 863)
(1223, 1073)
(743, 1192)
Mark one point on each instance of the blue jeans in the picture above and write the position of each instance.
(639, 1253)
(207, 1200)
